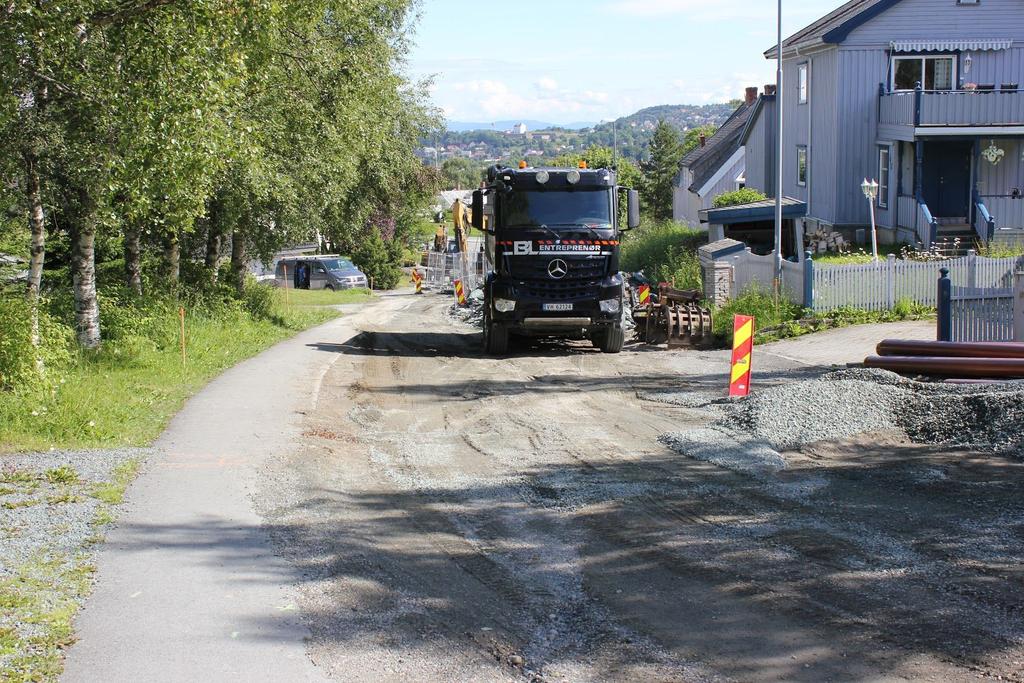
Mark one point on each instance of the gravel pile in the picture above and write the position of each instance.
(751, 433)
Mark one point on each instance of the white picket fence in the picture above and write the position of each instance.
(751, 271)
(870, 286)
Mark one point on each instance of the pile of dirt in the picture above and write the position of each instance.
(981, 417)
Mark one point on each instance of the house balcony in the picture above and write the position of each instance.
(913, 114)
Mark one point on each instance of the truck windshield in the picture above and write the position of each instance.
(558, 208)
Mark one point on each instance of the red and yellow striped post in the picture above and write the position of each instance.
(742, 350)
(643, 295)
(460, 293)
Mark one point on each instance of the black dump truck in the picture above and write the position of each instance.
(553, 254)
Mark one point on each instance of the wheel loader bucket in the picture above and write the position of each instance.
(688, 325)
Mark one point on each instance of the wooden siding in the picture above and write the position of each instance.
(1008, 174)
(929, 19)
(726, 184)
(824, 148)
(760, 151)
(860, 72)
(686, 204)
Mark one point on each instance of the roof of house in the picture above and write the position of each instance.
(705, 161)
(836, 25)
(758, 107)
(753, 212)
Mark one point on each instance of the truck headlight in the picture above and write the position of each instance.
(504, 305)
(610, 306)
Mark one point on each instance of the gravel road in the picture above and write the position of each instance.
(456, 517)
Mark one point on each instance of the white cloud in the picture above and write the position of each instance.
(547, 83)
(497, 99)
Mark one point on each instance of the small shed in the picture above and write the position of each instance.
(754, 225)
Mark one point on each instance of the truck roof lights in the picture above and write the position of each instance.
(572, 177)
(542, 177)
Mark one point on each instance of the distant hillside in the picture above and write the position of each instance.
(487, 143)
(465, 126)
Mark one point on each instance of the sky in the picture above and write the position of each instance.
(566, 61)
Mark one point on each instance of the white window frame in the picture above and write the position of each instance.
(803, 83)
(921, 58)
(802, 150)
(884, 190)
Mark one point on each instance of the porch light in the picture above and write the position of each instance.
(870, 190)
(968, 60)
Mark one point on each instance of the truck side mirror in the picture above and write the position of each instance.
(633, 209)
(477, 218)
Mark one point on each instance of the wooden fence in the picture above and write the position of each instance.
(875, 286)
(979, 314)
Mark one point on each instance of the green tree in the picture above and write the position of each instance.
(691, 140)
(660, 171)
(459, 173)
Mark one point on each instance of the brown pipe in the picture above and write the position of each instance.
(907, 347)
(1000, 368)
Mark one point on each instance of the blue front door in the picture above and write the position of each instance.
(947, 178)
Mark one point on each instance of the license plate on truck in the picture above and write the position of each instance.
(557, 307)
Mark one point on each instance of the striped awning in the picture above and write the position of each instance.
(948, 45)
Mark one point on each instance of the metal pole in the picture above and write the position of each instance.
(615, 144)
(874, 231)
(779, 148)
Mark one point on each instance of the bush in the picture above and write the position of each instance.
(665, 252)
(378, 260)
(768, 311)
(743, 196)
(17, 356)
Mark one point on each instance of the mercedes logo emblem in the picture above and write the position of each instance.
(558, 269)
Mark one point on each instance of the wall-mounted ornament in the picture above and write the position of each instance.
(993, 154)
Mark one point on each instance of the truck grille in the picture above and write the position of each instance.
(582, 279)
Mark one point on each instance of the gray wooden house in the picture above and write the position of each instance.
(715, 167)
(923, 96)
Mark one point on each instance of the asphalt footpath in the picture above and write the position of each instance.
(189, 587)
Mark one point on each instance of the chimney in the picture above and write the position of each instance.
(703, 140)
(769, 89)
(751, 95)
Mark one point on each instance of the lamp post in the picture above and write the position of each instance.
(779, 99)
(870, 190)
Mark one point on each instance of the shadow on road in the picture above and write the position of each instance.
(878, 561)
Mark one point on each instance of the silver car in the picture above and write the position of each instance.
(318, 272)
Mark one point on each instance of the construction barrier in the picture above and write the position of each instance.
(460, 293)
(644, 295)
(417, 279)
(742, 350)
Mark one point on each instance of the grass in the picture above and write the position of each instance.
(665, 252)
(112, 492)
(323, 297)
(124, 394)
(779, 319)
(858, 257)
(38, 603)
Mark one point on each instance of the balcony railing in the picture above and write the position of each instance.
(938, 108)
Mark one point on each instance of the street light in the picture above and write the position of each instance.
(870, 190)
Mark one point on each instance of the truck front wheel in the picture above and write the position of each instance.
(495, 336)
(609, 339)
